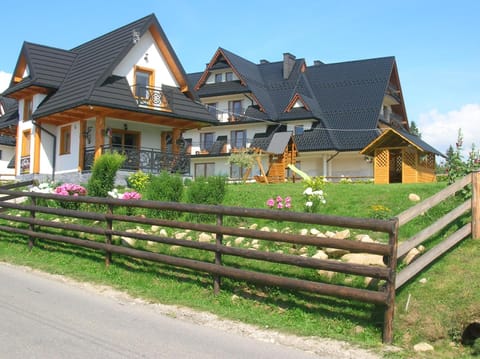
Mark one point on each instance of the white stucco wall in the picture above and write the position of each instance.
(7, 154)
(69, 162)
(146, 54)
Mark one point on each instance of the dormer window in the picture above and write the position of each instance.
(228, 76)
(298, 104)
(143, 80)
(298, 130)
(218, 78)
(27, 109)
(2, 111)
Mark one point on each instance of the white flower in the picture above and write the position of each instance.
(323, 201)
(114, 193)
(308, 204)
(308, 191)
(318, 193)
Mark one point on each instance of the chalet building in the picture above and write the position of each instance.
(124, 91)
(333, 111)
(127, 91)
(8, 117)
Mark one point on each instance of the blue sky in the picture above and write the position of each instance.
(435, 43)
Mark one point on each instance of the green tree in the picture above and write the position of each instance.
(414, 129)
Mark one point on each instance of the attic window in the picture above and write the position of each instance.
(26, 73)
(298, 130)
(2, 111)
(218, 77)
(229, 76)
(298, 104)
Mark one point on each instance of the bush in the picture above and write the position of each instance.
(206, 190)
(138, 181)
(165, 187)
(104, 171)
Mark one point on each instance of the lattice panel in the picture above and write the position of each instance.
(409, 158)
(381, 158)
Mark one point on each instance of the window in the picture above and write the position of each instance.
(229, 76)
(238, 139)
(26, 143)
(27, 109)
(127, 143)
(65, 140)
(204, 169)
(236, 171)
(143, 81)
(298, 130)
(1, 155)
(218, 77)
(206, 141)
(2, 111)
(234, 110)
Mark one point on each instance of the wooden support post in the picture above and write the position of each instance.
(390, 287)
(218, 255)
(475, 205)
(99, 135)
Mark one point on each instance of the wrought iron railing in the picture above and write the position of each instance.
(148, 160)
(147, 96)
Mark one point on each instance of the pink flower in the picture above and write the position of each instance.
(270, 202)
(287, 204)
(288, 199)
(279, 199)
(131, 195)
(279, 205)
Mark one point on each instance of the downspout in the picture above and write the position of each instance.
(54, 146)
(332, 157)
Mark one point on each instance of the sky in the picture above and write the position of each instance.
(435, 43)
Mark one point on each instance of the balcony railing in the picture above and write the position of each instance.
(25, 165)
(148, 160)
(147, 96)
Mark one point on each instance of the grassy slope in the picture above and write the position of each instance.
(436, 312)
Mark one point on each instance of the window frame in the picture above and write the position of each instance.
(228, 76)
(151, 81)
(203, 167)
(234, 139)
(27, 109)
(205, 144)
(65, 140)
(218, 77)
(26, 138)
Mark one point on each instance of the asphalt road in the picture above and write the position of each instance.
(41, 317)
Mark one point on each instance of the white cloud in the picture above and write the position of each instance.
(4, 80)
(440, 130)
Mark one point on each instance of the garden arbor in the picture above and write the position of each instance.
(400, 157)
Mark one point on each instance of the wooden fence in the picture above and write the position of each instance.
(106, 226)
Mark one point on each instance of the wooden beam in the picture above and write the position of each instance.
(36, 151)
(476, 205)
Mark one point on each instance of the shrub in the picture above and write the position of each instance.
(206, 190)
(165, 187)
(138, 180)
(104, 171)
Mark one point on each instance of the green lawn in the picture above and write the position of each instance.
(436, 312)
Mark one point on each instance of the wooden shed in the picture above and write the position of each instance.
(400, 157)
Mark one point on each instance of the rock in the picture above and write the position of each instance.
(128, 242)
(265, 229)
(151, 243)
(314, 231)
(423, 280)
(228, 244)
(255, 241)
(286, 230)
(321, 235)
(421, 248)
(330, 234)
(364, 238)
(154, 228)
(180, 235)
(342, 234)
(256, 246)
(422, 347)
(358, 329)
(279, 251)
(414, 197)
(364, 258)
(239, 240)
(336, 252)
(413, 254)
(175, 248)
(320, 255)
(303, 250)
(163, 233)
(304, 232)
(204, 237)
(253, 226)
(235, 298)
(326, 273)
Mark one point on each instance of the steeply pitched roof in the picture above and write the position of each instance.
(344, 98)
(84, 74)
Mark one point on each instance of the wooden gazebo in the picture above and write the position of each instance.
(400, 157)
(282, 152)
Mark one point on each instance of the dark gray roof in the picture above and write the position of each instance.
(10, 117)
(7, 140)
(419, 142)
(344, 98)
(83, 75)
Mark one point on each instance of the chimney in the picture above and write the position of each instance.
(317, 63)
(288, 64)
(263, 61)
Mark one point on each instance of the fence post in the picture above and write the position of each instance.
(218, 255)
(31, 240)
(475, 204)
(108, 236)
(390, 287)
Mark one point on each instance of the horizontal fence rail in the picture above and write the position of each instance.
(106, 226)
